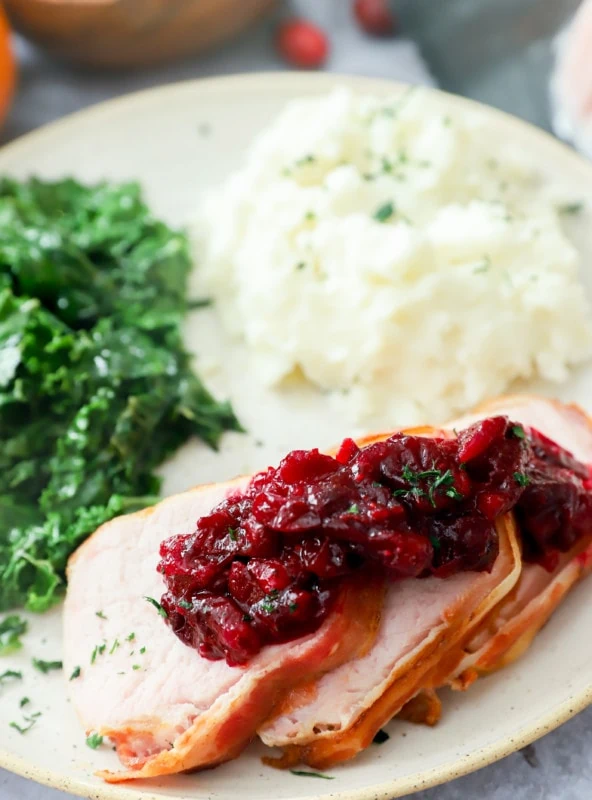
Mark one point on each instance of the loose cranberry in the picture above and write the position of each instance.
(302, 44)
(266, 564)
(376, 17)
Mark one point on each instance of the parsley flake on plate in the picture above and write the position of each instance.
(12, 627)
(301, 773)
(94, 740)
(46, 666)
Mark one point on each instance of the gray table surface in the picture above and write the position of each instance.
(557, 767)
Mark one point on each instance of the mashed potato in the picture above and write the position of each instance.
(376, 247)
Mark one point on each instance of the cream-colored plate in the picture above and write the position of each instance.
(177, 140)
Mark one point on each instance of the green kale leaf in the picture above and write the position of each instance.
(96, 386)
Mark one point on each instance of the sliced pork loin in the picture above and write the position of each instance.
(321, 697)
(332, 719)
(511, 627)
(165, 708)
(339, 715)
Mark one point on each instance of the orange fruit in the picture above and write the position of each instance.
(7, 67)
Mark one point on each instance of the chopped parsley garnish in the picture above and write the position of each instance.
(114, 647)
(232, 533)
(301, 265)
(269, 603)
(304, 774)
(521, 478)
(99, 649)
(9, 674)
(310, 216)
(185, 603)
(381, 737)
(31, 720)
(136, 666)
(384, 212)
(12, 628)
(199, 302)
(353, 509)
(130, 637)
(518, 431)
(157, 606)
(307, 159)
(94, 740)
(46, 666)
(75, 673)
(483, 265)
(142, 650)
(100, 615)
(24, 701)
(293, 607)
(434, 480)
(571, 208)
(247, 618)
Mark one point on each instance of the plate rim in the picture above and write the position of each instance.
(306, 83)
(388, 790)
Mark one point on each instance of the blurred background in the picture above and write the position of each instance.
(71, 53)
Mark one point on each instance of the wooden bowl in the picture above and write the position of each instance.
(125, 33)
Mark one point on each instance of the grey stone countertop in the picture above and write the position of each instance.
(557, 767)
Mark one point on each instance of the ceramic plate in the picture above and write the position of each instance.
(178, 140)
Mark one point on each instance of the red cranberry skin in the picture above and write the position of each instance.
(266, 565)
(302, 44)
(376, 17)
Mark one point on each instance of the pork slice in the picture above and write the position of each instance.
(165, 708)
(509, 629)
(339, 715)
(331, 719)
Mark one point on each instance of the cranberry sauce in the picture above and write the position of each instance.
(266, 564)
